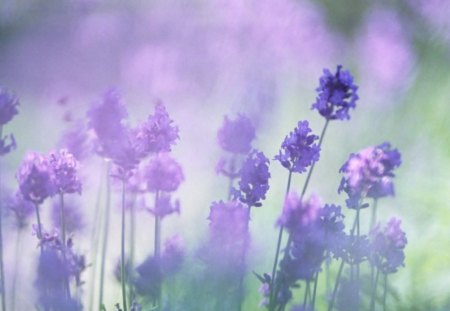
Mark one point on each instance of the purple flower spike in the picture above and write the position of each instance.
(64, 172)
(35, 178)
(165, 206)
(8, 106)
(172, 255)
(298, 150)
(236, 135)
(157, 134)
(21, 208)
(254, 179)
(336, 95)
(73, 218)
(369, 173)
(163, 173)
(387, 246)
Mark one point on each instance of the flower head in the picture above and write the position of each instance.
(387, 246)
(163, 173)
(165, 206)
(76, 141)
(297, 214)
(64, 168)
(369, 173)
(298, 150)
(236, 135)
(21, 208)
(73, 218)
(158, 133)
(336, 94)
(8, 106)
(254, 179)
(172, 255)
(35, 178)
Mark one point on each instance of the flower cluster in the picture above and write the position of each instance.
(369, 173)
(163, 173)
(8, 109)
(298, 150)
(254, 179)
(64, 169)
(22, 209)
(336, 94)
(388, 246)
(236, 135)
(157, 134)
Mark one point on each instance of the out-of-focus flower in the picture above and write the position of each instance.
(387, 246)
(35, 178)
(157, 134)
(336, 94)
(165, 206)
(296, 213)
(163, 173)
(172, 255)
(64, 168)
(149, 277)
(115, 140)
(331, 225)
(76, 141)
(8, 106)
(5, 146)
(369, 173)
(298, 150)
(254, 179)
(236, 135)
(73, 218)
(21, 208)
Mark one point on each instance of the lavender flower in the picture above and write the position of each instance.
(73, 218)
(254, 179)
(64, 168)
(236, 135)
(331, 225)
(35, 178)
(298, 214)
(387, 246)
(7, 144)
(369, 173)
(172, 255)
(21, 208)
(76, 141)
(115, 141)
(163, 173)
(336, 94)
(148, 281)
(8, 106)
(157, 134)
(165, 206)
(298, 150)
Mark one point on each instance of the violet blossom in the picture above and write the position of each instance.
(64, 168)
(236, 135)
(163, 173)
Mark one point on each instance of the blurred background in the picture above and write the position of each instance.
(207, 59)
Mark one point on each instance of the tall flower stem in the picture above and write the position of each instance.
(157, 250)
(358, 233)
(316, 281)
(242, 272)
(131, 246)
(63, 237)
(123, 276)
(277, 252)
(307, 291)
(105, 234)
(39, 224)
(95, 236)
(385, 291)
(374, 291)
(373, 218)
(2, 272)
(17, 258)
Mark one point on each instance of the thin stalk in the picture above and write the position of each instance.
(105, 235)
(232, 173)
(358, 233)
(17, 258)
(373, 218)
(275, 262)
(38, 218)
(123, 276)
(336, 285)
(316, 280)
(95, 235)
(385, 291)
(157, 250)
(305, 297)
(63, 237)
(2, 272)
(374, 291)
(243, 260)
(131, 246)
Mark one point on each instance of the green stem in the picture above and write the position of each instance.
(17, 258)
(374, 291)
(305, 297)
(105, 235)
(38, 218)
(122, 251)
(358, 233)
(373, 218)
(131, 246)
(385, 291)
(2, 272)
(336, 285)
(157, 250)
(277, 252)
(63, 237)
(316, 280)
(95, 235)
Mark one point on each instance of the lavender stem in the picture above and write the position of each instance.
(122, 251)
